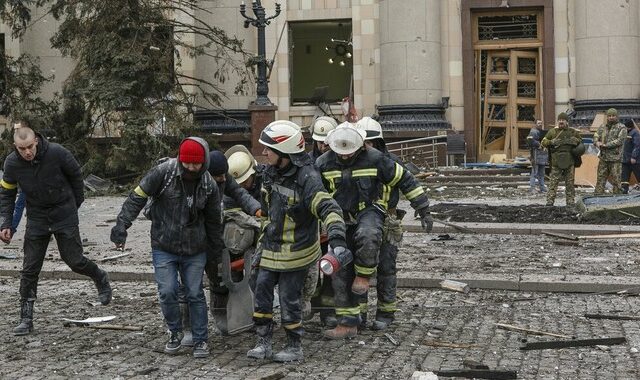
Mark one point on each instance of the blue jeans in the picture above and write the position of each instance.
(537, 172)
(17, 212)
(191, 269)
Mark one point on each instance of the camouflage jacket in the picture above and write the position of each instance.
(612, 138)
(560, 143)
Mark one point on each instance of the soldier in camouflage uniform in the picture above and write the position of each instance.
(610, 139)
(560, 141)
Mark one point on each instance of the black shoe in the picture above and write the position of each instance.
(103, 286)
(200, 350)
(174, 343)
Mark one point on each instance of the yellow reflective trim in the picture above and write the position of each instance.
(363, 308)
(414, 193)
(331, 177)
(261, 315)
(288, 230)
(138, 190)
(397, 176)
(365, 271)
(292, 326)
(285, 259)
(7, 185)
(386, 193)
(333, 218)
(319, 197)
(382, 203)
(387, 307)
(365, 173)
(348, 311)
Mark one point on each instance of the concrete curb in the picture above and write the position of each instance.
(524, 228)
(524, 283)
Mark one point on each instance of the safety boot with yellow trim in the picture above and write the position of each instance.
(263, 348)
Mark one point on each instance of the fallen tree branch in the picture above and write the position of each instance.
(439, 343)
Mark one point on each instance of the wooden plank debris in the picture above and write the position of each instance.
(472, 364)
(505, 326)
(620, 317)
(117, 327)
(628, 214)
(454, 226)
(573, 343)
(610, 236)
(559, 235)
(114, 257)
(478, 373)
(456, 286)
(391, 339)
(567, 243)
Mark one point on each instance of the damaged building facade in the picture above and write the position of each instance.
(483, 68)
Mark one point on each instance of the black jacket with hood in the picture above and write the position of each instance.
(179, 225)
(52, 183)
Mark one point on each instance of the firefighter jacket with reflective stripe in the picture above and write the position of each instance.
(368, 180)
(52, 183)
(294, 200)
(183, 222)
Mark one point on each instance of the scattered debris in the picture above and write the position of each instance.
(613, 316)
(457, 227)
(610, 236)
(95, 183)
(478, 373)
(573, 343)
(88, 321)
(468, 363)
(8, 256)
(456, 286)
(628, 214)
(560, 235)
(439, 343)
(567, 243)
(273, 376)
(114, 257)
(419, 375)
(391, 339)
(146, 371)
(444, 237)
(117, 327)
(504, 326)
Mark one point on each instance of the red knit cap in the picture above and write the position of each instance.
(191, 152)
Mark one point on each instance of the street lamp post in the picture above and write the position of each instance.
(260, 21)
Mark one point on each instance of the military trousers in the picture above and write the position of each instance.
(608, 170)
(568, 176)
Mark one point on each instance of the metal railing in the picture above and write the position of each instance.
(424, 147)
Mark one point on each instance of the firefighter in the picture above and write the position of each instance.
(360, 181)
(386, 279)
(293, 201)
(319, 129)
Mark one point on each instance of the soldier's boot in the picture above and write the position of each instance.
(292, 351)
(625, 188)
(360, 285)
(103, 286)
(341, 332)
(383, 320)
(263, 348)
(328, 318)
(187, 339)
(26, 318)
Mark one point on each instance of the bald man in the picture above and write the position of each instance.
(50, 177)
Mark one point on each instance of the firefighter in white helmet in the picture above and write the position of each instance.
(293, 201)
(319, 129)
(360, 181)
(386, 279)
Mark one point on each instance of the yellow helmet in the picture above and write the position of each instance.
(241, 163)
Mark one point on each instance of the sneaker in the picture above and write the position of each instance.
(174, 343)
(200, 350)
(187, 340)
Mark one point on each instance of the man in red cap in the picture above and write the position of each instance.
(186, 231)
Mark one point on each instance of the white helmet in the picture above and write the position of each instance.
(321, 126)
(241, 163)
(371, 127)
(284, 136)
(345, 139)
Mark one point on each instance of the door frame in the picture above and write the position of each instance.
(468, 8)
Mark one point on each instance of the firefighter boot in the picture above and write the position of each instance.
(360, 285)
(383, 320)
(26, 318)
(328, 318)
(263, 349)
(103, 286)
(341, 332)
(292, 351)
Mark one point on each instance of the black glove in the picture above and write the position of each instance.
(425, 219)
(336, 242)
(118, 235)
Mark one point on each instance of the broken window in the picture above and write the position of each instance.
(321, 56)
(508, 27)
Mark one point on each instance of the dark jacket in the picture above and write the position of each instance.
(52, 183)
(180, 224)
(368, 180)
(293, 201)
(539, 155)
(238, 196)
(631, 146)
(254, 191)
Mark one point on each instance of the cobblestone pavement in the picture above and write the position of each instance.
(429, 317)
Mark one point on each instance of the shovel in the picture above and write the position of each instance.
(239, 316)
